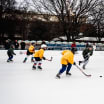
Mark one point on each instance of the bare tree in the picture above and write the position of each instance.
(6, 6)
(71, 13)
(97, 19)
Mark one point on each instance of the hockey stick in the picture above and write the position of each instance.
(49, 59)
(88, 75)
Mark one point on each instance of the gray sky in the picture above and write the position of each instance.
(21, 3)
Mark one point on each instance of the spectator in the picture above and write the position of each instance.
(94, 46)
(74, 46)
(23, 44)
(7, 44)
(87, 45)
(43, 42)
(16, 44)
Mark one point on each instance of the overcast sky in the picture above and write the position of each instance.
(31, 5)
(22, 2)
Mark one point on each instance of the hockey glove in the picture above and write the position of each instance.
(74, 63)
(14, 54)
(44, 58)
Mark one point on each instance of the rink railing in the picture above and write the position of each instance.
(60, 47)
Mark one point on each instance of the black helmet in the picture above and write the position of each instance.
(74, 50)
(90, 46)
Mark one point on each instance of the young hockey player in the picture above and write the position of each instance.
(10, 53)
(39, 55)
(67, 60)
(30, 51)
(87, 52)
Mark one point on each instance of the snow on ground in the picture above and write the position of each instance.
(19, 84)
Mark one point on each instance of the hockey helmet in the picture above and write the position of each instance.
(74, 50)
(43, 46)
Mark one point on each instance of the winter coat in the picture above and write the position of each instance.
(87, 53)
(11, 51)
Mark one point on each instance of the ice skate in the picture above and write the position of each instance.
(33, 68)
(67, 73)
(58, 76)
(39, 67)
(32, 60)
(8, 60)
(25, 60)
(80, 62)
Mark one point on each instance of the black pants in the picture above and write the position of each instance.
(10, 56)
(29, 53)
(38, 59)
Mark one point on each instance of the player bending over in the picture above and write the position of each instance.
(10, 53)
(30, 51)
(87, 52)
(67, 60)
(39, 55)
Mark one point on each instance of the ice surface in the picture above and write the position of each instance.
(19, 84)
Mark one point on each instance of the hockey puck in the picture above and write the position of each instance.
(100, 76)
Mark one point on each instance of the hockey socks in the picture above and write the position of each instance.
(25, 60)
(32, 59)
(10, 58)
(39, 64)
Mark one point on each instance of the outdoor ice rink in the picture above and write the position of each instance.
(19, 84)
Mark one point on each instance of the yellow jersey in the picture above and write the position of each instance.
(63, 52)
(31, 48)
(39, 53)
(68, 57)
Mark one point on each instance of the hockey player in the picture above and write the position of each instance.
(67, 60)
(10, 53)
(39, 55)
(87, 52)
(30, 51)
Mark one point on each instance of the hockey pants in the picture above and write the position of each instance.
(86, 60)
(37, 61)
(10, 57)
(65, 67)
